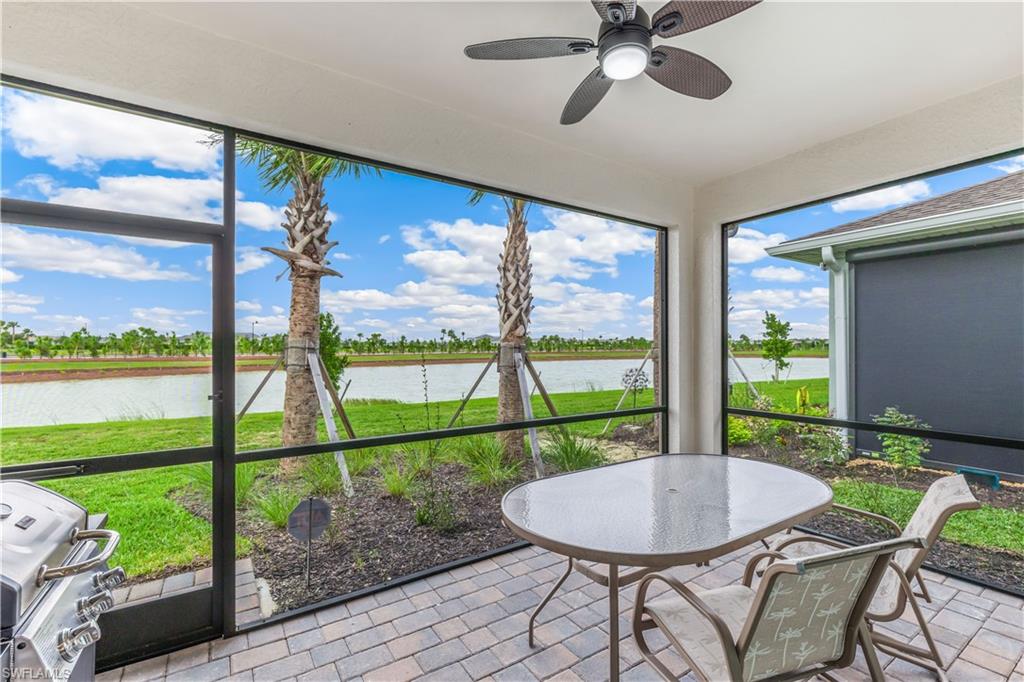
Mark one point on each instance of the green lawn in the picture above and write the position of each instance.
(782, 393)
(160, 533)
(985, 527)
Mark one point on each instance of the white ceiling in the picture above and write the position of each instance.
(803, 72)
(388, 80)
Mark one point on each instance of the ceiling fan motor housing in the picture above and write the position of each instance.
(635, 33)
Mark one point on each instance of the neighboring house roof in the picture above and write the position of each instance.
(987, 205)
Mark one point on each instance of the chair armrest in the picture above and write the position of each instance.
(805, 538)
(748, 574)
(871, 516)
(728, 644)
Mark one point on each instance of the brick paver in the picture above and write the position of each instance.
(470, 624)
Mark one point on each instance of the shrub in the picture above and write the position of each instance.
(826, 444)
(360, 461)
(276, 504)
(246, 476)
(739, 431)
(201, 480)
(396, 480)
(321, 475)
(903, 452)
(764, 432)
(803, 400)
(435, 509)
(484, 456)
(569, 452)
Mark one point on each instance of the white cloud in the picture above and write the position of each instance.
(248, 306)
(748, 245)
(585, 310)
(14, 302)
(249, 258)
(180, 198)
(8, 276)
(258, 215)
(267, 324)
(779, 299)
(278, 310)
(52, 253)
(166, 319)
(899, 195)
(61, 324)
(40, 183)
(384, 238)
(808, 330)
(773, 273)
(405, 295)
(374, 322)
(453, 267)
(1010, 165)
(647, 303)
(72, 135)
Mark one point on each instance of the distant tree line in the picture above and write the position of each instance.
(22, 342)
(746, 344)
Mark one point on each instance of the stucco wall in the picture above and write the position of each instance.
(986, 122)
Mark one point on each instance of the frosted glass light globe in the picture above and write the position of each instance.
(624, 62)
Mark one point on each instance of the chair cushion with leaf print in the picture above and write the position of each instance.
(732, 603)
(803, 619)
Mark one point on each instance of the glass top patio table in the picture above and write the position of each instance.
(664, 510)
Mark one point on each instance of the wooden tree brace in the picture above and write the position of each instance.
(320, 382)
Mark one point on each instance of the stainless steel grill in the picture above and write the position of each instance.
(54, 584)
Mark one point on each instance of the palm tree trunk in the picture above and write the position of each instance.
(514, 305)
(300, 402)
(656, 339)
(306, 225)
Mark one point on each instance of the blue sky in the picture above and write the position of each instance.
(798, 292)
(415, 257)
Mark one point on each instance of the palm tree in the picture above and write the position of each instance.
(306, 228)
(514, 306)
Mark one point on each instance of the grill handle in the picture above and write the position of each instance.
(111, 536)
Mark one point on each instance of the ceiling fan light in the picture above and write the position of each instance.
(624, 61)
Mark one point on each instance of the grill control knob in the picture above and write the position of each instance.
(108, 580)
(72, 641)
(90, 608)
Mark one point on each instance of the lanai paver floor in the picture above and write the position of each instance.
(470, 623)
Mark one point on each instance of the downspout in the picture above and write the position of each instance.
(838, 332)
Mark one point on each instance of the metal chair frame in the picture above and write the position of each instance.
(857, 631)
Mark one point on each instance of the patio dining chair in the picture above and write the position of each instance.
(805, 617)
(944, 497)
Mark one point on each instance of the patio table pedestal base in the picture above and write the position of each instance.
(613, 581)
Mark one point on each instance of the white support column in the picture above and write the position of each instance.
(838, 336)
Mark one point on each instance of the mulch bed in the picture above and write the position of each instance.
(994, 567)
(374, 538)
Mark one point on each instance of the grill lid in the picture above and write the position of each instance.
(37, 526)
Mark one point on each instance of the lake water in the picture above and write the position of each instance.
(167, 397)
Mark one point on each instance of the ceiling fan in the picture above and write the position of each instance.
(624, 50)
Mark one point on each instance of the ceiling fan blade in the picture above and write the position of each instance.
(529, 48)
(586, 96)
(687, 73)
(628, 9)
(682, 16)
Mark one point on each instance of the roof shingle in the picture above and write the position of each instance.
(988, 193)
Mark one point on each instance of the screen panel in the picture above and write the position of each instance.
(941, 336)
